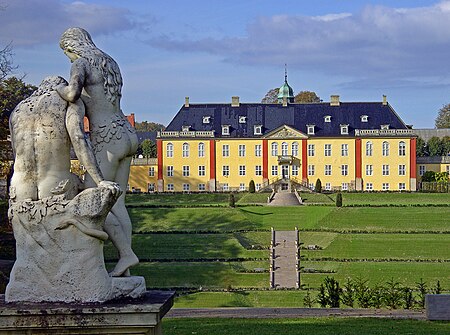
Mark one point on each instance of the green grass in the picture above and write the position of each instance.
(188, 246)
(178, 199)
(395, 198)
(404, 246)
(316, 326)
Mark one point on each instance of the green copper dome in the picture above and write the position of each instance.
(285, 91)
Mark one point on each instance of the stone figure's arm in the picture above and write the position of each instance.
(72, 92)
(82, 147)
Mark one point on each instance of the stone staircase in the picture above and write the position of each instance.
(285, 260)
(284, 199)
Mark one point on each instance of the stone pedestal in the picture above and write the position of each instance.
(438, 306)
(138, 316)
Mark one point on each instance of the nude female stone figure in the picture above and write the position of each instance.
(95, 78)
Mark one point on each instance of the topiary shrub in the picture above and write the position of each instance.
(318, 187)
(251, 186)
(339, 199)
(232, 201)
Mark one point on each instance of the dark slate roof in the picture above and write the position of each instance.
(144, 135)
(298, 116)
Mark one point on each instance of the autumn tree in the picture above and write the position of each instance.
(148, 126)
(443, 118)
(306, 97)
(271, 96)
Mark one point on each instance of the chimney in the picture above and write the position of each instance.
(285, 101)
(234, 101)
(384, 100)
(186, 102)
(334, 100)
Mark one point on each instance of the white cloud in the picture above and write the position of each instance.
(31, 22)
(379, 43)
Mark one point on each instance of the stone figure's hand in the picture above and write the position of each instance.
(114, 187)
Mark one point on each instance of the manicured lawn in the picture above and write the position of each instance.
(173, 199)
(394, 198)
(403, 246)
(316, 326)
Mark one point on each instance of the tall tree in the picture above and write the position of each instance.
(306, 97)
(443, 118)
(148, 148)
(271, 96)
(421, 147)
(436, 147)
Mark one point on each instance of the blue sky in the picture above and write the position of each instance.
(212, 50)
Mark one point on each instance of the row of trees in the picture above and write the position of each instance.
(271, 97)
(434, 147)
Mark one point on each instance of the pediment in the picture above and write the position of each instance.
(286, 131)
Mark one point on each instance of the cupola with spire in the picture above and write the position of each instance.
(285, 90)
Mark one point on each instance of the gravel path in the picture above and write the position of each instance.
(255, 313)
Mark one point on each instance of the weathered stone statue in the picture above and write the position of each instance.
(95, 78)
(59, 231)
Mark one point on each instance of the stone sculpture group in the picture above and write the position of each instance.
(60, 223)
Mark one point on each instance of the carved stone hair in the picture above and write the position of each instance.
(79, 42)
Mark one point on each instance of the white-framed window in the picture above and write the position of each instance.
(201, 149)
(385, 149)
(258, 170)
(225, 187)
(295, 170)
(364, 118)
(344, 169)
(385, 170)
(151, 171)
(327, 149)
(328, 186)
(384, 126)
(185, 170)
(284, 149)
(258, 150)
(369, 148)
(169, 150)
(150, 187)
(327, 118)
(186, 187)
(344, 187)
(241, 186)
(401, 186)
(311, 170)
(257, 186)
(201, 170)
(402, 170)
(225, 170)
(274, 149)
(274, 170)
(225, 150)
(202, 187)
(447, 169)
(206, 119)
(385, 186)
(242, 170)
(311, 186)
(344, 149)
(327, 170)
(242, 119)
(369, 170)
(241, 150)
(185, 150)
(225, 130)
(185, 128)
(421, 170)
(402, 148)
(169, 171)
(310, 129)
(170, 187)
(369, 187)
(344, 129)
(311, 150)
(257, 130)
(294, 149)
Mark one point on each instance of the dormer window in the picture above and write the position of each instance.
(185, 128)
(310, 129)
(257, 130)
(225, 129)
(327, 118)
(242, 119)
(384, 126)
(344, 129)
(364, 118)
(206, 119)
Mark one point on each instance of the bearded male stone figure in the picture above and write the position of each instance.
(95, 79)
